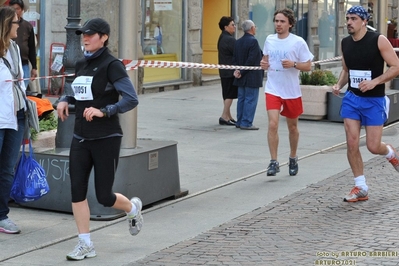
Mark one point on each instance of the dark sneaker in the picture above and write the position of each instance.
(293, 166)
(135, 222)
(273, 168)
(9, 227)
(81, 251)
(357, 194)
(394, 160)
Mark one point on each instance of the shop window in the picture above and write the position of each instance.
(327, 28)
(262, 16)
(162, 37)
(301, 11)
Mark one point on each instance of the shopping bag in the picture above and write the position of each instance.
(30, 181)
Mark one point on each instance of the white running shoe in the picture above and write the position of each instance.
(81, 251)
(136, 221)
(357, 194)
(394, 160)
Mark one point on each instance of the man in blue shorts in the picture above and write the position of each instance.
(365, 104)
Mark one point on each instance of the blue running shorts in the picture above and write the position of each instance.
(370, 111)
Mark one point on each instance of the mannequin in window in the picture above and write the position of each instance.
(324, 30)
(302, 27)
(325, 35)
(158, 37)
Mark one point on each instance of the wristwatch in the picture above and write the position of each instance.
(294, 64)
(104, 111)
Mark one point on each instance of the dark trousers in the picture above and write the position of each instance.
(103, 156)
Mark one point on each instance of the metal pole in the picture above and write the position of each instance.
(128, 43)
(73, 53)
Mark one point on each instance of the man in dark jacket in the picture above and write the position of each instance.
(247, 53)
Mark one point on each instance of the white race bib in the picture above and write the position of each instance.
(82, 88)
(357, 76)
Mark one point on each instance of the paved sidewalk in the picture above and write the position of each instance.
(234, 214)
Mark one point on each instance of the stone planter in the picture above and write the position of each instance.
(314, 99)
(45, 141)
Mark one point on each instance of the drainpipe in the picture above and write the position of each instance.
(42, 48)
(235, 16)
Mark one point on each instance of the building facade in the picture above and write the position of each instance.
(187, 30)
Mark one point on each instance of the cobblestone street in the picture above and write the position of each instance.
(310, 227)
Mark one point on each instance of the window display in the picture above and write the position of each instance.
(327, 29)
(262, 16)
(162, 37)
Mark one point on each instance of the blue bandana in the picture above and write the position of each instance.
(360, 11)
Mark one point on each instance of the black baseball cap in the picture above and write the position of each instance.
(95, 25)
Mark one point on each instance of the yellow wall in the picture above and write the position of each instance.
(161, 74)
(213, 11)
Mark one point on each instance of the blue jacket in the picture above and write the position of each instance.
(248, 53)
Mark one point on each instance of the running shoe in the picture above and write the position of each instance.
(394, 160)
(9, 227)
(81, 251)
(293, 166)
(273, 168)
(357, 194)
(136, 221)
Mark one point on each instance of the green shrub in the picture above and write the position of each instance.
(304, 77)
(318, 77)
(49, 122)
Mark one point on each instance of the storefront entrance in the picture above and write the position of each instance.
(212, 12)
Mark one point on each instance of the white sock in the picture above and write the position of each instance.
(133, 211)
(360, 181)
(390, 153)
(86, 238)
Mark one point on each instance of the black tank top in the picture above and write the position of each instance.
(364, 55)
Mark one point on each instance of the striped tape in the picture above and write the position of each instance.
(134, 64)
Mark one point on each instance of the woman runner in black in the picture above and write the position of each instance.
(100, 81)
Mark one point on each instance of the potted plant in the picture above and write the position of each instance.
(314, 86)
(45, 139)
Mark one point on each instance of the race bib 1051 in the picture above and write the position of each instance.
(82, 88)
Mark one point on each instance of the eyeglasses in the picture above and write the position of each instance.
(15, 22)
(232, 25)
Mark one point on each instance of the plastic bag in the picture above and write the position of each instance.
(30, 181)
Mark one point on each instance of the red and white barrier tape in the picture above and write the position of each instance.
(44, 77)
(170, 64)
(134, 64)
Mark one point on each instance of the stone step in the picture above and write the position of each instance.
(210, 80)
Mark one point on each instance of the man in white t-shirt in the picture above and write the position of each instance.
(285, 55)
